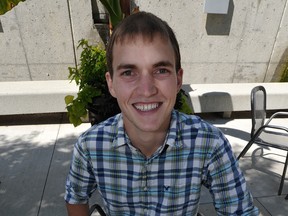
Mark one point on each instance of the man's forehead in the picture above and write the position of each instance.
(145, 38)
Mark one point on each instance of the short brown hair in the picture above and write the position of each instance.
(147, 25)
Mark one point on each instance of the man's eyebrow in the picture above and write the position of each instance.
(125, 66)
(157, 64)
(163, 63)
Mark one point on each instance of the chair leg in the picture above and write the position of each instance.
(283, 176)
(245, 150)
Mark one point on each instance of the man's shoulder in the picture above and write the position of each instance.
(108, 127)
(104, 135)
(194, 122)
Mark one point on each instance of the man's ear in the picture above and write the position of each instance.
(179, 78)
(110, 84)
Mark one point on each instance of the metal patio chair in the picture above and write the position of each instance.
(265, 133)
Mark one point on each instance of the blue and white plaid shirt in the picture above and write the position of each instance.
(195, 153)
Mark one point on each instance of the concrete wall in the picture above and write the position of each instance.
(249, 44)
(37, 42)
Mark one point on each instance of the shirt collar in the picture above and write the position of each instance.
(121, 138)
(172, 138)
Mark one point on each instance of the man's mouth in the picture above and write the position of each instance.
(146, 107)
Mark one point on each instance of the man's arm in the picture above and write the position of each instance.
(78, 188)
(77, 209)
(227, 183)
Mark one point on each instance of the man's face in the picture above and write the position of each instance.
(145, 83)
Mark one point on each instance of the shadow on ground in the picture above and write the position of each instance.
(33, 169)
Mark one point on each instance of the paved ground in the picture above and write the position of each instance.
(35, 156)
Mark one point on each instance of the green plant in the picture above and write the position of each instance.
(114, 9)
(182, 103)
(90, 77)
(117, 10)
(7, 5)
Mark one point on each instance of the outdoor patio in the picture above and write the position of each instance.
(35, 154)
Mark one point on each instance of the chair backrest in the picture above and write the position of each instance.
(258, 108)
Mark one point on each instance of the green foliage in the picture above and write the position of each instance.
(90, 77)
(182, 103)
(114, 9)
(7, 5)
(92, 68)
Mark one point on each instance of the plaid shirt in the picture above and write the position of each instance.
(195, 153)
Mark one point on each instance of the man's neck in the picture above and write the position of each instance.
(147, 142)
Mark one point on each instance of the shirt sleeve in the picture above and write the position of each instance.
(226, 182)
(80, 182)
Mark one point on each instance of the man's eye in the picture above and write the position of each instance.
(126, 73)
(162, 71)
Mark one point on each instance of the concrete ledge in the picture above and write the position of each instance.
(231, 97)
(34, 97)
(30, 97)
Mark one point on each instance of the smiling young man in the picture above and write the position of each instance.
(151, 159)
(145, 83)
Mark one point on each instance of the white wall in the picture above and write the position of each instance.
(247, 45)
(37, 43)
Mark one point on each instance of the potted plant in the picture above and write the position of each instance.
(93, 94)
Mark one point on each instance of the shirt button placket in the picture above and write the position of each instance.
(144, 180)
(145, 187)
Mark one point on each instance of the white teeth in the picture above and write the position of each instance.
(146, 107)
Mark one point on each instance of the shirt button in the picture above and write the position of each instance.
(145, 188)
(145, 211)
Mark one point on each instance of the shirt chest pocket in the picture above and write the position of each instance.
(176, 194)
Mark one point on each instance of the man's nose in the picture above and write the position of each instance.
(146, 85)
